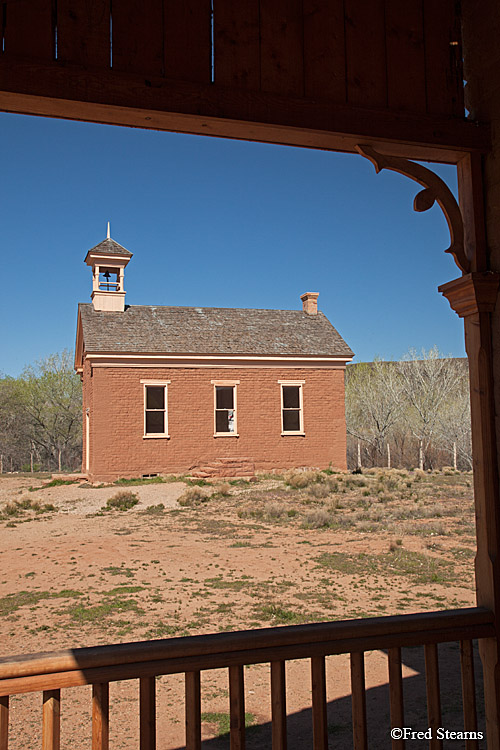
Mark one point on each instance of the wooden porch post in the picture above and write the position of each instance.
(473, 297)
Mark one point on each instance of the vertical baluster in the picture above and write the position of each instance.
(358, 701)
(193, 711)
(396, 694)
(51, 713)
(318, 684)
(278, 705)
(147, 703)
(100, 716)
(4, 722)
(237, 708)
(433, 693)
(468, 692)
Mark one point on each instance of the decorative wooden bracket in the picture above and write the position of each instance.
(435, 189)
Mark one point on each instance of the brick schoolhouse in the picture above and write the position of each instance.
(216, 391)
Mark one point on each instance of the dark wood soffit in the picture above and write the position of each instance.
(206, 109)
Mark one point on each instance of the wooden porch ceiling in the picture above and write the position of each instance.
(317, 73)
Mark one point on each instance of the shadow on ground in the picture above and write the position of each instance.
(377, 708)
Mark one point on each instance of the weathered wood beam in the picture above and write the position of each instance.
(474, 297)
(110, 97)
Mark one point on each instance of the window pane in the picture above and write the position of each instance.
(155, 397)
(291, 396)
(291, 420)
(222, 421)
(224, 396)
(155, 421)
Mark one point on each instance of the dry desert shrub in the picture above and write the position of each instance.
(319, 491)
(123, 500)
(275, 510)
(299, 480)
(432, 511)
(222, 490)
(15, 508)
(365, 526)
(317, 519)
(192, 496)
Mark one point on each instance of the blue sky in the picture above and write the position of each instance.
(214, 222)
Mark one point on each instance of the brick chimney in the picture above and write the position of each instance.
(310, 302)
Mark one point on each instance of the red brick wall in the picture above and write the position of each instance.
(118, 448)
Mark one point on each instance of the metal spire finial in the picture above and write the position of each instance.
(108, 232)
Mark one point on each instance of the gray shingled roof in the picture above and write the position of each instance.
(110, 247)
(210, 330)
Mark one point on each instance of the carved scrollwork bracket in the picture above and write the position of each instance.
(434, 190)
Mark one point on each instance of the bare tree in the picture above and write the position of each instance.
(429, 382)
(374, 401)
(454, 426)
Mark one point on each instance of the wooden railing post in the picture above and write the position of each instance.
(236, 708)
(278, 705)
(468, 692)
(51, 714)
(193, 711)
(359, 733)
(396, 694)
(100, 716)
(474, 297)
(4, 722)
(433, 694)
(320, 725)
(147, 713)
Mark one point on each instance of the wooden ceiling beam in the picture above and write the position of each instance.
(109, 97)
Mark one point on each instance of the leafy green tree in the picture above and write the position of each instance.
(49, 393)
(14, 445)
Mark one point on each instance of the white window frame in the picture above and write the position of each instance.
(156, 384)
(226, 384)
(300, 385)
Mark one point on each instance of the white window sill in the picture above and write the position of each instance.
(225, 434)
(284, 434)
(155, 435)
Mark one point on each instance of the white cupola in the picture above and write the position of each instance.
(108, 260)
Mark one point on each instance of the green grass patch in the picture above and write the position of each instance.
(114, 570)
(222, 721)
(235, 585)
(139, 480)
(118, 590)
(54, 483)
(279, 615)
(196, 482)
(84, 613)
(12, 602)
(416, 565)
(162, 630)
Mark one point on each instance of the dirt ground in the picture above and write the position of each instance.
(187, 559)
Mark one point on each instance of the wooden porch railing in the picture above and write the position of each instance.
(51, 672)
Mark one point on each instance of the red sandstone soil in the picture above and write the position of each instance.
(78, 576)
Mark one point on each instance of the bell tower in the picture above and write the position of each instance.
(108, 260)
